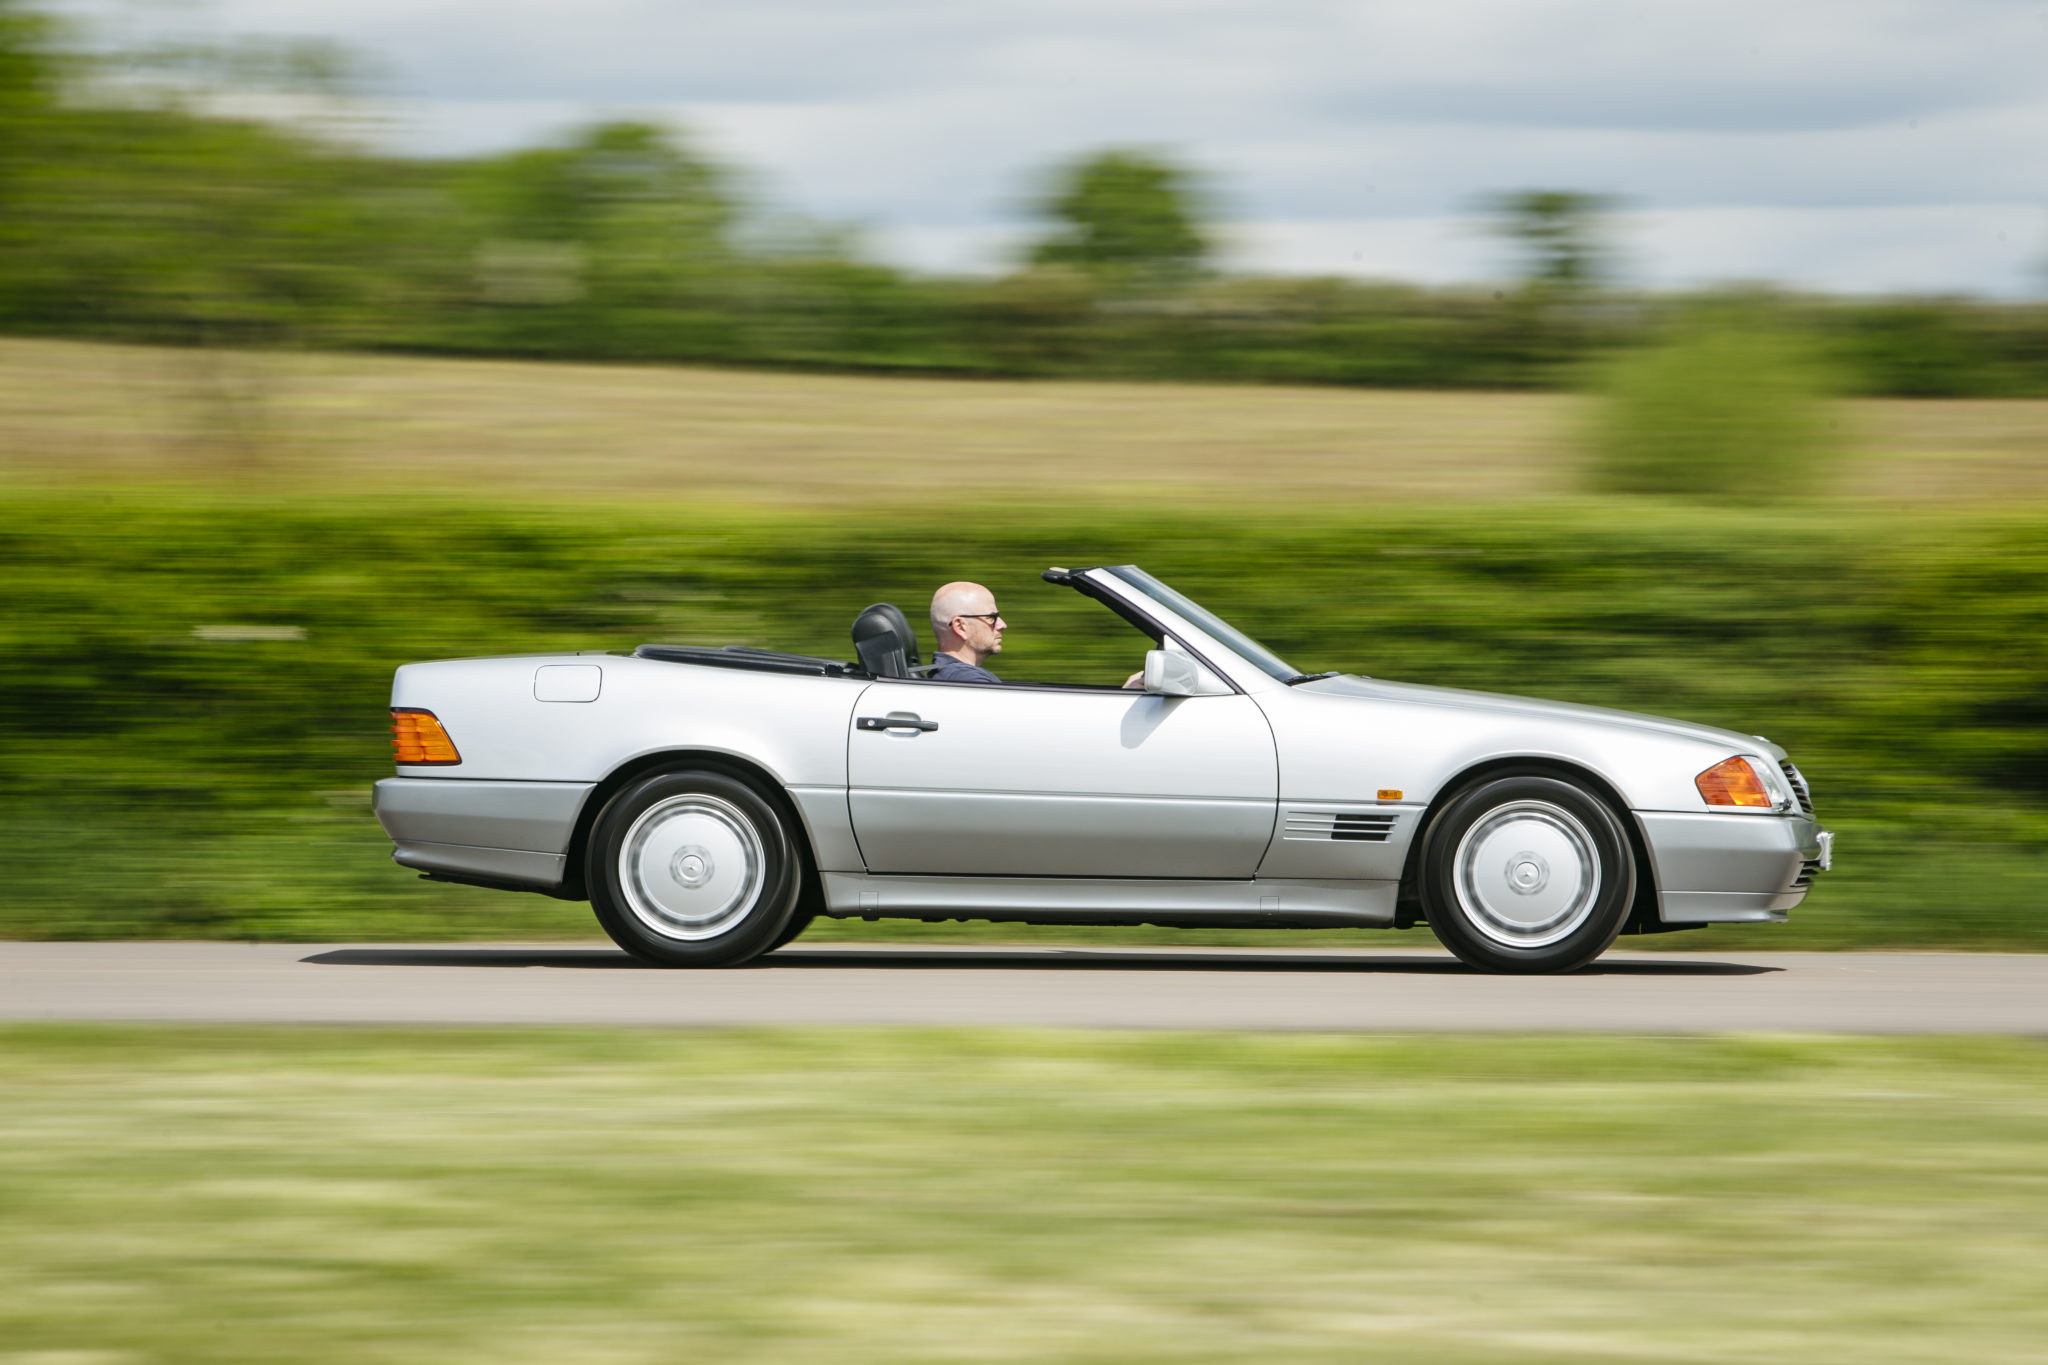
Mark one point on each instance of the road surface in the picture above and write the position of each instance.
(1179, 988)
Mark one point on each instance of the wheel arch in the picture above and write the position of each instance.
(641, 765)
(1643, 916)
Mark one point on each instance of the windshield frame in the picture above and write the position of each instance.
(1206, 621)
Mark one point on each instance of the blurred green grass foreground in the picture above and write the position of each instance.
(891, 1196)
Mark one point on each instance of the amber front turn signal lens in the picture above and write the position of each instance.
(1732, 782)
(417, 738)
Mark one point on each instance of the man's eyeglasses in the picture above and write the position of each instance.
(989, 616)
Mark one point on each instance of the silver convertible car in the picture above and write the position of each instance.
(711, 802)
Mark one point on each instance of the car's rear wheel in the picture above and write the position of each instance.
(692, 869)
(1527, 874)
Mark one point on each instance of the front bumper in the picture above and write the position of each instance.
(1713, 867)
(516, 833)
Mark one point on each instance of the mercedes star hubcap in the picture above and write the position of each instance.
(692, 867)
(1527, 874)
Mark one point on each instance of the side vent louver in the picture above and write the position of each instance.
(1363, 827)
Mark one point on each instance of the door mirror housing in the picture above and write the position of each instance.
(1170, 673)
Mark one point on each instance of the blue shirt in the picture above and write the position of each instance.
(951, 669)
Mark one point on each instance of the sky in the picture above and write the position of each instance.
(1856, 146)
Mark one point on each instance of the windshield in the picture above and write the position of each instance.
(1208, 622)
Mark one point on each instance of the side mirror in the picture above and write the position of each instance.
(1170, 673)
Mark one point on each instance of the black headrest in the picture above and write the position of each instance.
(885, 642)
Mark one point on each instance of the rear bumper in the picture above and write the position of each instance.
(1713, 868)
(516, 833)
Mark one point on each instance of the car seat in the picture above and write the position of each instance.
(883, 639)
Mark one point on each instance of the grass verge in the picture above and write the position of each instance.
(314, 1195)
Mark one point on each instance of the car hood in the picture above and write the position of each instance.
(1500, 703)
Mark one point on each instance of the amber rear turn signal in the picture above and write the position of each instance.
(1732, 782)
(417, 738)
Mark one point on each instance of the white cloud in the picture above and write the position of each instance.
(1988, 248)
(1922, 249)
(1442, 249)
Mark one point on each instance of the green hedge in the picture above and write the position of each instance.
(165, 776)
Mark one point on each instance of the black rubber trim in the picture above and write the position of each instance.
(750, 659)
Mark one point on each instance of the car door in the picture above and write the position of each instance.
(1018, 781)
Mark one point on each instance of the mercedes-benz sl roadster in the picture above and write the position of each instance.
(710, 802)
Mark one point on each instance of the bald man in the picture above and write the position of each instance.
(969, 627)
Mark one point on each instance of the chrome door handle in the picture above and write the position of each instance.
(901, 720)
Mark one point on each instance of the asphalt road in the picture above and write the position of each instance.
(1195, 988)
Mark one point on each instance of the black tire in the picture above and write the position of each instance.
(798, 922)
(810, 901)
(693, 869)
(1526, 874)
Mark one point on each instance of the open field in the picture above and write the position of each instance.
(354, 423)
(859, 1195)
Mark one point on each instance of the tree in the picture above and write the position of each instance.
(618, 238)
(28, 103)
(1126, 217)
(28, 78)
(1561, 234)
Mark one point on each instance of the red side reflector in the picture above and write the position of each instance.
(417, 738)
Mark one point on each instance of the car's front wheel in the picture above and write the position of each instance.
(692, 869)
(1527, 874)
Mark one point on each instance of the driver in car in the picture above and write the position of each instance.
(969, 627)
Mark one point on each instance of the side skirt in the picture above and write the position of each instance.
(1269, 904)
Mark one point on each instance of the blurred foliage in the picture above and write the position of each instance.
(1939, 348)
(1724, 408)
(613, 244)
(1126, 217)
(27, 102)
(137, 202)
(865, 1196)
(203, 684)
(1560, 234)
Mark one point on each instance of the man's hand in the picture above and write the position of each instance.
(1136, 680)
